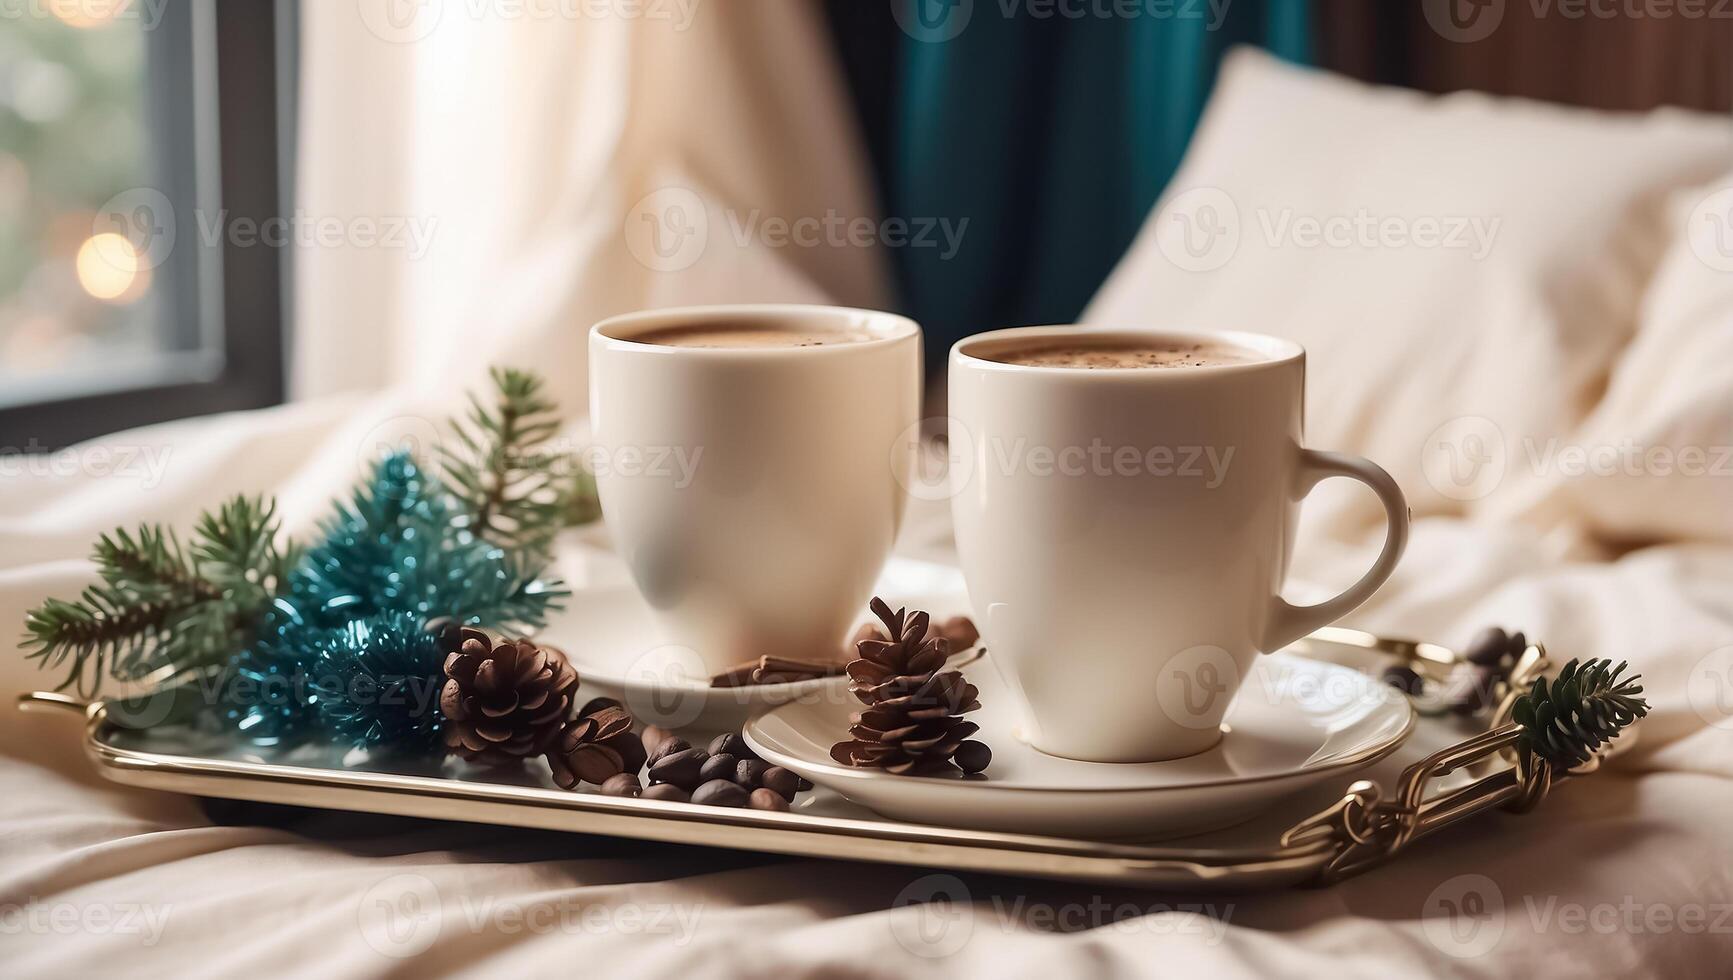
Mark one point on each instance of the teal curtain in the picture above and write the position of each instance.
(1051, 135)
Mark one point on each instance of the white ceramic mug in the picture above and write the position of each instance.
(750, 490)
(1124, 532)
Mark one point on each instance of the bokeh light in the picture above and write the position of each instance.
(110, 268)
(86, 14)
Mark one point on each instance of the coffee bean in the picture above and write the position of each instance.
(732, 744)
(1476, 688)
(629, 749)
(680, 768)
(960, 631)
(782, 782)
(445, 632)
(652, 736)
(595, 763)
(1403, 678)
(767, 799)
(596, 704)
(622, 784)
(667, 747)
(717, 767)
(802, 785)
(1487, 647)
(1516, 644)
(667, 792)
(720, 792)
(750, 773)
(973, 756)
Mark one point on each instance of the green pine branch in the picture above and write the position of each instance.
(1568, 721)
(158, 604)
(515, 491)
(583, 503)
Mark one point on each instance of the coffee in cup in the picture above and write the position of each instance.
(1124, 505)
(745, 475)
(1119, 356)
(750, 333)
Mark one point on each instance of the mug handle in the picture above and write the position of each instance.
(1289, 622)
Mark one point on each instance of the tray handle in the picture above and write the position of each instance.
(33, 702)
(1365, 828)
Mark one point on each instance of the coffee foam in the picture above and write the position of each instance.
(1119, 354)
(748, 335)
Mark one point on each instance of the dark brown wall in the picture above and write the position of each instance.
(1632, 54)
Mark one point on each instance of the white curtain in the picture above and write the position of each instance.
(534, 149)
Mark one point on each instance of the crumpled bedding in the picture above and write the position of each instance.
(1624, 874)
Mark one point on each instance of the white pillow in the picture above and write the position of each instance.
(1654, 461)
(1462, 270)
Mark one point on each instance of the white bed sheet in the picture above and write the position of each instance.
(1627, 874)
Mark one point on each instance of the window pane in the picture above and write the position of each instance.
(81, 230)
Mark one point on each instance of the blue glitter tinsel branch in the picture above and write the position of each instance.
(344, 651)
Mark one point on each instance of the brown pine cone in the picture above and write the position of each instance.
(912, 725)
(597, 746)
(503, 702)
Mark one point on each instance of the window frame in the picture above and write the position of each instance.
(232, 155)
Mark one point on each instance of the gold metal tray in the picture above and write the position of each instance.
(1449, 770)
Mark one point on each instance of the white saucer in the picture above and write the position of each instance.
(608, 633)
(1294, 723)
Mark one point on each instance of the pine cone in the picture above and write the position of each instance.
(1584, 708)
(912, 725)
(503, 702)
(597, 746)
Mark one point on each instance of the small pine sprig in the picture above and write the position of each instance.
(158, 603)
(1583, 708)
(583, 504)
(513, 490)
(268, 620)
